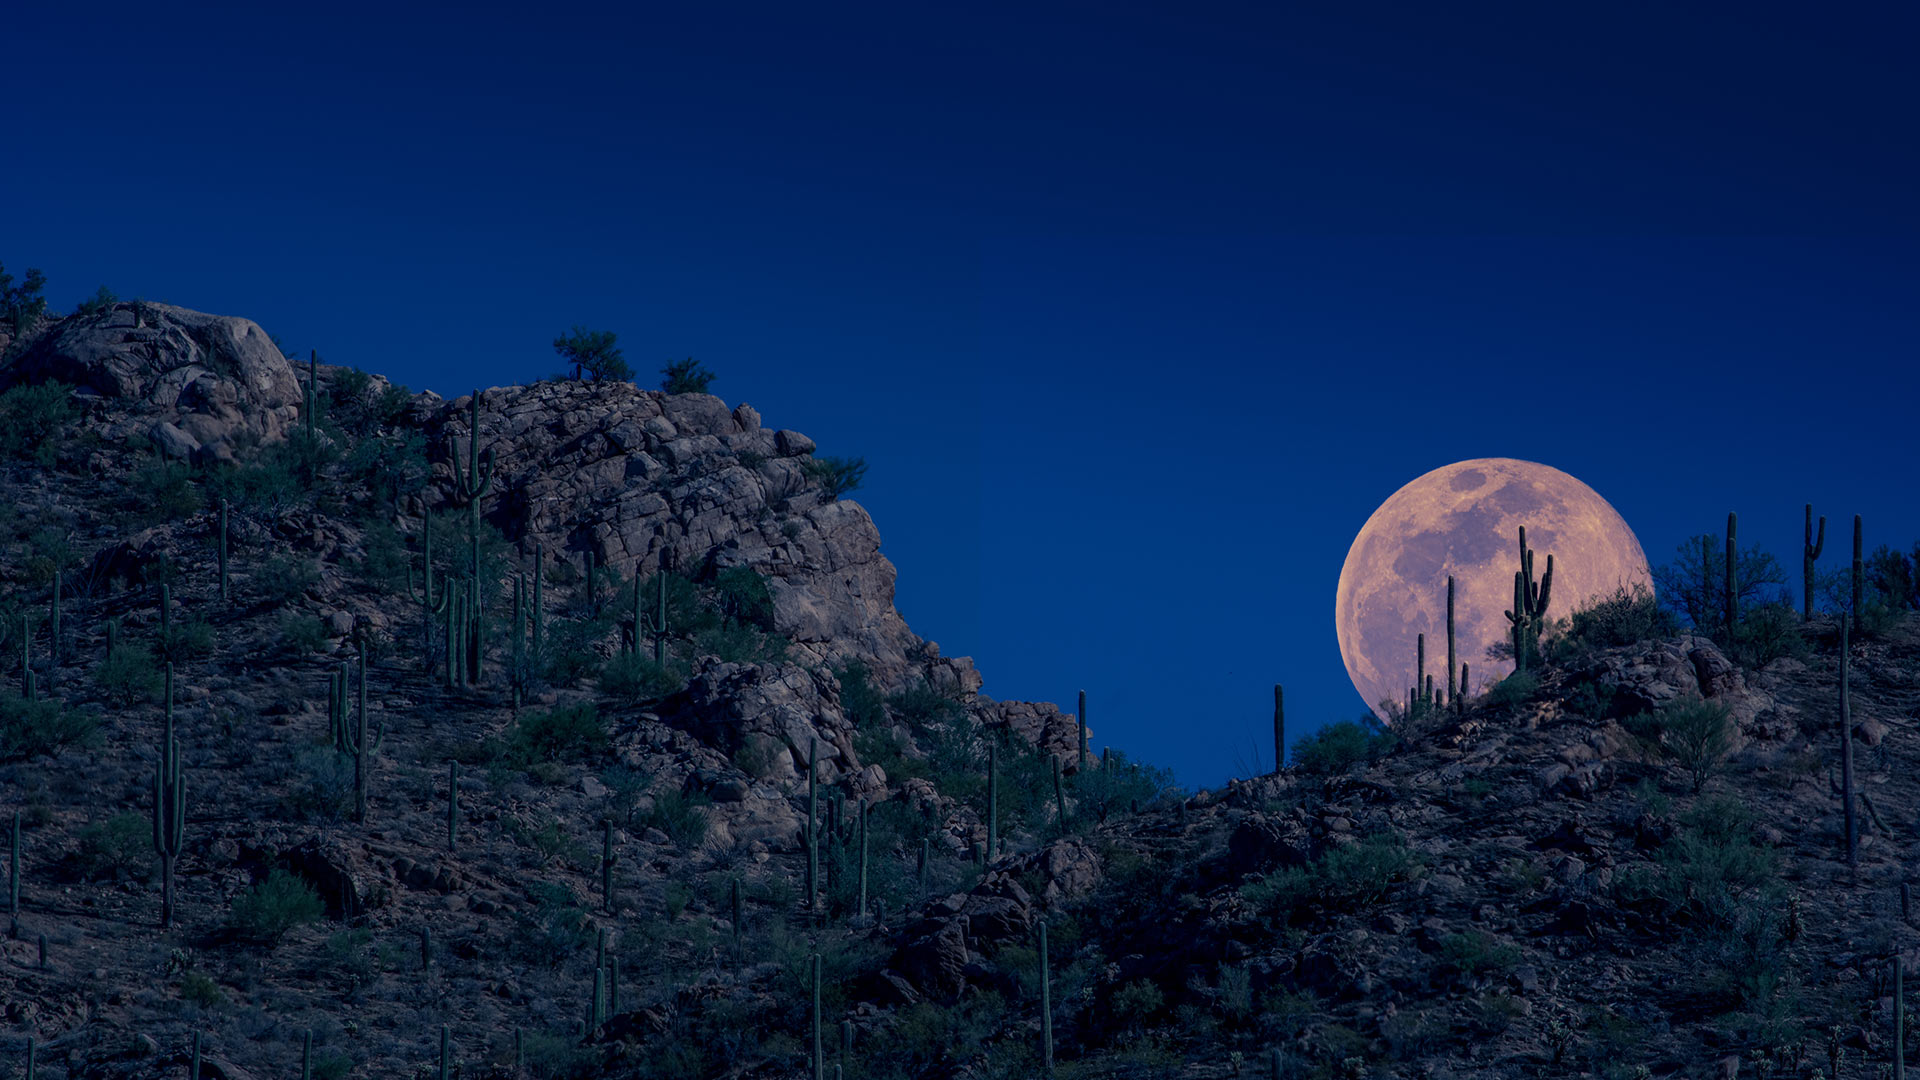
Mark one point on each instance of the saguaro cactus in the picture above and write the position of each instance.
(1420, 668)
(26, 657)
(194, 1072)
(469, 486)
(1059, 792)
(169, 808)
(1453, 690)
(1046, 1004)
(655, 624)
(1082, 769)
(860, 912)
(359, 745)
(1858, 577)
(1899, 1017)
(426, 947)
(819, 1061)
(1279, 731)
(306, 1055)
(519, 653)
(430, 603)
(1809, 551)
(54, 651)
(1846, 758)
(166, 611)
(446, 1053)
(539, 608)
(1529, 603)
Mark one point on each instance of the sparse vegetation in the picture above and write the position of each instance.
(265, 912)
(836, 476)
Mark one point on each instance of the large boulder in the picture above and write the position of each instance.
(198, 385)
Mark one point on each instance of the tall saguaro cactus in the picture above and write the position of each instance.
(358, 744)
(1453, 690)
(1858, 577)
(169, 808)
(1046, 1004)
(1279, 732)
(469, 486)
(1082, 770)
(431, 604)
(1809, 551)
(1529, 603)
(819, 1059)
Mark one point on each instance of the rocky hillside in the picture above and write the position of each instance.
(542, 853)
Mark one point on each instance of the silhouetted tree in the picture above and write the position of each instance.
(686, 377)
(592, 352)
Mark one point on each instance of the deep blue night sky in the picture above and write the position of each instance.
(1135, 315)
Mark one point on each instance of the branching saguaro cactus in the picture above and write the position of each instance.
(655, 624)
(1809, 551)
(169, 808)
(431, 604)
(469, 486)
(1529, 603)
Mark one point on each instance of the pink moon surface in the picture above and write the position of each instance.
(1463, 520)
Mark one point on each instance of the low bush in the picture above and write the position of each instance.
(186, 641)
(304, 635)
(561, 735)
(632, 678)
(33, 420)
(40, 727)
(1341, 745)
(1625, 617)
(200, 989)
(272, 907)
(1766, 633)
(1359, 874)
(1515, 689)
(118, 849)
(677, 814)
(129, 676)
(1477, 952)
(1692, 733)
(836, 476)
(283, 579)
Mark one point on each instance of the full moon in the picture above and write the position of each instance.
(1464, 520)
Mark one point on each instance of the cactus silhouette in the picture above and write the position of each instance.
(470, 485)
(1529, 603)
(169, 808)
(1809, 551)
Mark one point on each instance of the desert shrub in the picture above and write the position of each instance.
(162, 490)
(677, 813)
(554, 1057)
(269, 909)
(1765, 633)
(548, 840)
(118, 848)
(101, 300)
(1134, 1003)
(1878, 618)
(863, 705)
(633, 677)
(921, 705)
(1341, 745)
(186, 640)
(836, 476)
(1117, 784)
(30, 729)
(1513, 690)
(304, 634)
(1358, 874)
(283, 579)
(384, 561)
(1889, 578)
(129, 675)
(1477, 952)
(559, 735)
(323, 788)
(1593, 698)
(554, 930)
(744, 596)
(199, 989)
(275, 481)
(625, 784)
(738, 643)
(757, 755)
(331, 1065)
(1626, 617)
(33, 420)
(1693, 586)
(1692, 733)
(352, 403)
